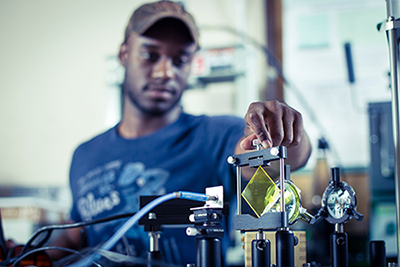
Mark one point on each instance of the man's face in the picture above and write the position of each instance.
(157, 66)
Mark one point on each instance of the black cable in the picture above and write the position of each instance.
(21, 257)
(72, 258)
(50, 228)
(40, 243)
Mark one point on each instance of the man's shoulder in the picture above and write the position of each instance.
(98, 141)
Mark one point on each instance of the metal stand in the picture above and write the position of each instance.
(377, 253)
(393, 12)
(285, 240)
(338, 206)
(208, 230)
(284, 248)
(260, 251)
(339, 247)
(172, 212)
(208, 252)
(154, 253)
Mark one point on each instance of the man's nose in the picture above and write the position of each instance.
(163, 69)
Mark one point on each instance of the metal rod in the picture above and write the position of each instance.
(238, 189)
(393, 54)
(339, 228)
(154, 245)
(282, 182)
(393, 8)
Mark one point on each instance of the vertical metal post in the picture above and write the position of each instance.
(238, 189)
(393, 56)
(393, 8)
(282, 182)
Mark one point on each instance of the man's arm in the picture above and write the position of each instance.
(275, 124)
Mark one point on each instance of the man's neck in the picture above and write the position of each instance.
(136, 124)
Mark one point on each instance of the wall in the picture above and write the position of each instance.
(315, 65)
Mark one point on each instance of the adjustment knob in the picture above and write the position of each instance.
(192, 231)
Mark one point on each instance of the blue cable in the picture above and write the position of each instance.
(134, 219)
(192, 196)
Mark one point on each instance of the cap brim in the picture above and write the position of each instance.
(190, 26)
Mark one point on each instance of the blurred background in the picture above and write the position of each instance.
(60, 86)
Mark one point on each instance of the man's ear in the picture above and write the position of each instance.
(123, 54)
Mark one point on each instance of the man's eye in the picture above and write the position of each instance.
(150, 56)
(180, 61)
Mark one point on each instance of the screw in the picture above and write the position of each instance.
(257, 143)
(191, 231)
(231, 160)
(274, 151)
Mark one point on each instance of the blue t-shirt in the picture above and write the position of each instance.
(109, 173)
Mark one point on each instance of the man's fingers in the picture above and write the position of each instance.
(293, 127)
(247, 143)
(276, 128)
(297, 131)
(274, 124)
(255, 119)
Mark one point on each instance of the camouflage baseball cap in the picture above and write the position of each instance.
(148, 14)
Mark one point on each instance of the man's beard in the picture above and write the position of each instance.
(150, 111)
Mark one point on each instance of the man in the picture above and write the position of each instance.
(157, 148)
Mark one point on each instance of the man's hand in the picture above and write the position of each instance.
(273, 123)
(276, 124)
